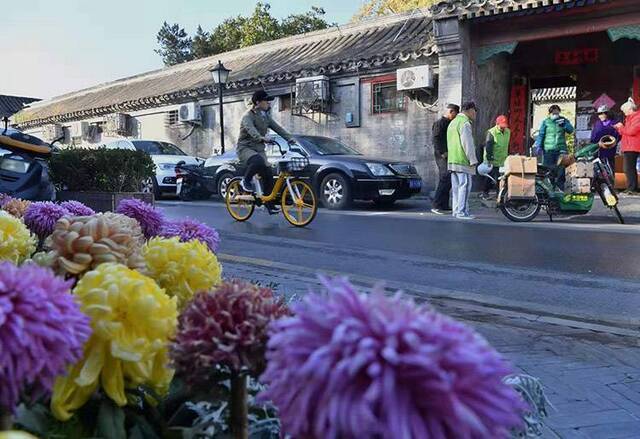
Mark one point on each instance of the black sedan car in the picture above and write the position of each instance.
(339, 173)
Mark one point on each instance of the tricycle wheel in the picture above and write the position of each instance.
(520, 211)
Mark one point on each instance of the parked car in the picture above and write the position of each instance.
(339, 173)
(165, 155)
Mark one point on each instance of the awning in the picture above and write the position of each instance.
(631, 32)
(484, 53)
(558, 94)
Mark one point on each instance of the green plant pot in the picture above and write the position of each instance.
(103, 201)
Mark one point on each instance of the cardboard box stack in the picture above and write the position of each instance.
(578, 177)
(521, 172)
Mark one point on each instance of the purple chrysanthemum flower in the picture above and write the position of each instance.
(188, 229)
(150, 218)
(226, 326)
(349, 365)
(76, 208)
(42, 331)
(4, 198)
(41, 217)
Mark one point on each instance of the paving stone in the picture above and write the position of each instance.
(613, 431)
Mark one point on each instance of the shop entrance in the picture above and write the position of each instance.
(579, 73)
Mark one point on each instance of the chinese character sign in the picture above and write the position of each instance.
(518, 118)
(576, 57)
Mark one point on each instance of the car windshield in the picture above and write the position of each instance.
(326, 146)
(157, 148)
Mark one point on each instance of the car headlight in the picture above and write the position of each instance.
(166, 166)
(379, 170)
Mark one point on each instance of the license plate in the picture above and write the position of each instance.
(415, 184)
(178, 186)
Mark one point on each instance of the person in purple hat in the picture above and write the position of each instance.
(605, 126)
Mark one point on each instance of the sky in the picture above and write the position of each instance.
(51, 47)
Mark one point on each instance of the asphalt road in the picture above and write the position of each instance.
(582, 269)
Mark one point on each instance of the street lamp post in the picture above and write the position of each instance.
(220, 75)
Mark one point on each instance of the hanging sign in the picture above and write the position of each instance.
(589, 55)
(518, 118)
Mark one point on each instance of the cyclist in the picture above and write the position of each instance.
(254, 129)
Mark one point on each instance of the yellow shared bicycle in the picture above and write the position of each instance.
(297, 199)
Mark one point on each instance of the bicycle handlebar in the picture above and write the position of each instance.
(298, 150)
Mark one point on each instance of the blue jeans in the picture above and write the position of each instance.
(550, 160)
(460, 190)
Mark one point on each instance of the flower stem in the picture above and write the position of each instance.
(6, 420)
(239, 409)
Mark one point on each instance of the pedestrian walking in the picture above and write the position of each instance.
(440, 203)
(462, 160)
(496, 150)
(605, 126)
(630, 131)
(552, 141)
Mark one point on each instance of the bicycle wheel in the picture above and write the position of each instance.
(301, 206)
(240, 209)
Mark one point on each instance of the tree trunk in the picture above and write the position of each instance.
(239, 409)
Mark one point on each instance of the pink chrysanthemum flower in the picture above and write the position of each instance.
(349, 365)
(41, 217)
(76, 208)
(150, 218)
(42, 331)
(227, 327)
(188, 229)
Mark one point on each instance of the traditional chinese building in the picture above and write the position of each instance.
(509, 54)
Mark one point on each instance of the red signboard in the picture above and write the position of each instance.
(588, 55)
(518, 118)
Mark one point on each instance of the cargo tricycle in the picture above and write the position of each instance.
(577, 198)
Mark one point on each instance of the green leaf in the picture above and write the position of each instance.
(34, 419)
(111, 421)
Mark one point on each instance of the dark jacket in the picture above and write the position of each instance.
(601, 129)
(439, 133)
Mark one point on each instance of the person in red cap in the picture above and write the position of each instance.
(496, 150)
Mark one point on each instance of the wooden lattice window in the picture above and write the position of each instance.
(386, 98)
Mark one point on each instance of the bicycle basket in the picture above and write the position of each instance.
(295, 164)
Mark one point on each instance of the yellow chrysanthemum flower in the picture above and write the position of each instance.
(181, 268)
(132, 320)
(16, 242)
(15, 434)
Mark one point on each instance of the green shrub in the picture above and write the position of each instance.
(103, 170)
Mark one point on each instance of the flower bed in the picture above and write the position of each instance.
(121, 325)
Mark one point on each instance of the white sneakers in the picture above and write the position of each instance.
(464, 217)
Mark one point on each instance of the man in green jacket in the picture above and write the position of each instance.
(552, 141)
(496, 150)
(254, 128)
(462, 161)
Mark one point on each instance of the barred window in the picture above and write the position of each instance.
(172, 117)
(386, 98)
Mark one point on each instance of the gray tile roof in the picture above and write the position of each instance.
(357, 47)
(468, 9)
(12, 104)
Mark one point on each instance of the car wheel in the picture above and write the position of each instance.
(223, 184)
(150, 186)
(384, 202)
(335, 191)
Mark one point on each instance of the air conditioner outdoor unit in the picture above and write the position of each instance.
(313, 90)
(190, 113)
(52, 132)
(411, 78)
(79, 130)
(115, 125)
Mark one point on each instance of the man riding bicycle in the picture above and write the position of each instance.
(254, 127)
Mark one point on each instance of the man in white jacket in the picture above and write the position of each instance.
(462, 159)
